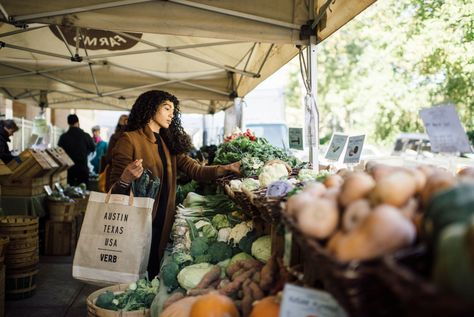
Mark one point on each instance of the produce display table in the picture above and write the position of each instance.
(24, 205)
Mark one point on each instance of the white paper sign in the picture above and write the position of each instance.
(354, 149)
(336, 146)
(307, 302)
(445, 130)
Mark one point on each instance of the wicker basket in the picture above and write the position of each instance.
(406, 274)
(355, 285)
(95, 311)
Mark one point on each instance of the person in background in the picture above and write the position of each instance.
(107, 158)
(77, 145)
(155, 140)
(7, 128)
(100, 149)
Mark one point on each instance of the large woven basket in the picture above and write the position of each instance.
(406, 274)
(355, 285)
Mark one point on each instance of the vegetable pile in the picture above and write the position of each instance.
(138, 296)
(253, 153)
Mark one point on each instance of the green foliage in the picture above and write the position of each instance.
(395, 58)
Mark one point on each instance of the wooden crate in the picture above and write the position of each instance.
(63, 160)
(59, 177)
(29, 164)
(54, 166)
(4, 170)
(60, 237)
(24, 187)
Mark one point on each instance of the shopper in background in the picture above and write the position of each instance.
(77, 145)
(155, 140)
(7, 128)
(100, 149)
(107, 159)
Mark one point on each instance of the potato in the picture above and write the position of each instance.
(320, 219)
(380, 171)
(315, 189)
(333, 181)
(420, 179)
(395, 189)
(356, 186)
(297, 202)
(354, 214)
(332, 193)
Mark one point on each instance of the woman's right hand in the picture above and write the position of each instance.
(133, 171)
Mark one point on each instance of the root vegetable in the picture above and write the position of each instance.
(420, 179)
(209, 277)
(384, 230)
(395, 189)
(319, 219)
(354, 214)
(438, 181)
(332, 193)
(410, 208)
(268, 273)
(235, 285)
(200, 291)
(247, 299)
(333, 181)
(242, 264)
(315, 189)
(172, 299)
(356, 186)
(257, 292)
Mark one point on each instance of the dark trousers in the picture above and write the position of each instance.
(78, 174)
(154, 260)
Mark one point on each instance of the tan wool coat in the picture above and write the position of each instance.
(141, 144)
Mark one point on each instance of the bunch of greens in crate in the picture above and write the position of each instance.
(138, 296)
(59, 196)
(252, 153)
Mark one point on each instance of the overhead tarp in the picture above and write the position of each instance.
(102, 54)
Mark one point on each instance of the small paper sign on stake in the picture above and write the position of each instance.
(307, 302)
(445, 130)
(336, 146)
(295, 136)
(354, 149)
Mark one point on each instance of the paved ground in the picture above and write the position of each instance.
(57, 293)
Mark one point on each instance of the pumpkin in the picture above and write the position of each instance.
(266, 307)
(181, 308)
(214, 305)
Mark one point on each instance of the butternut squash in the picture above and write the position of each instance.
(384, 230)
(319, 219)
(354, 214)
(357, 185)
(395, 189)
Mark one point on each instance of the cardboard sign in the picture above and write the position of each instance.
(307, 302)
(354, 149)
(336, 146)
(445, 130)
(296, 138)
(48, 190)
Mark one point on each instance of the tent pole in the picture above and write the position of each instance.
(78, 10)
(237, 14)
(32, 50)
(201, 60)
(44, 71)
(311, 108)
(21, 31)
(4, 12)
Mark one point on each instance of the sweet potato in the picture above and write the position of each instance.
(172, 299)
(268, 273)
(210, 277)
(234, 286)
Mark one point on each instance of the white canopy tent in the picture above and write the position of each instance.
(98, 54)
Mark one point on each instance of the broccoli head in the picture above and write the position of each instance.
(169, 273)
(202, 258)
(219, 251)
(199, 246)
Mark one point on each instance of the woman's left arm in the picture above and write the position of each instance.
(205, 173)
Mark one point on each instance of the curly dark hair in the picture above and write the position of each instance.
(144, 109)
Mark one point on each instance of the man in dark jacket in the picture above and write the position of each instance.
(7, 128)
(77, 145)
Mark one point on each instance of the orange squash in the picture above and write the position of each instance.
(214, 305)
(181, 308)
(266, 307)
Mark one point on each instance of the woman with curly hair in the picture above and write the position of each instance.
(155, 140)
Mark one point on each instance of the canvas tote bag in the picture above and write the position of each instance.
(115, 238)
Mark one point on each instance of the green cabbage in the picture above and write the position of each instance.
(242, 256)
(262, 248)
(190, 276)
